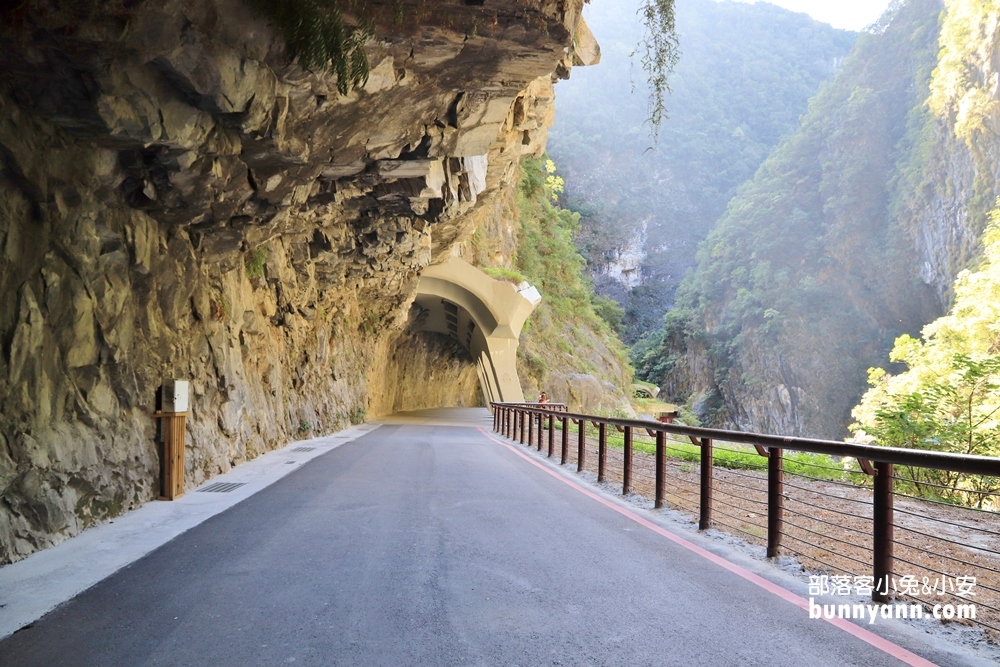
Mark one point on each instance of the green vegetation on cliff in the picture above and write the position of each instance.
(744, 79)
(948, 399)
(565, 335)
(318, 35)
(808, 277)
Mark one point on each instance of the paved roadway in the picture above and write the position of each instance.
(424, 544)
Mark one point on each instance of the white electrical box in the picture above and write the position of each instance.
(175, 396)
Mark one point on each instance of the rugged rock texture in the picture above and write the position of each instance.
(425, 368)
(565, 348)
(954, 175)
(178, 200)
(850, 234)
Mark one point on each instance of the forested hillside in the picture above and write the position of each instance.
(849, 235)
(566, 348)
(745, 76)
(948, 397)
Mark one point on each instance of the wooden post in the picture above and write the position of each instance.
(602, 450)
(627, 463)
(565, 440)
(660, 467)
(581, 446)
(775, 501)
(551, 436)
(882, 520)
(705, 520)
(172, 454)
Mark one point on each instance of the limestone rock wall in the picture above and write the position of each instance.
(179, 200)
(425, 369)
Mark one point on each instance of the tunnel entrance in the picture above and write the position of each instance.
(482, 315)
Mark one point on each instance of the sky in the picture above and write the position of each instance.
(847, 14)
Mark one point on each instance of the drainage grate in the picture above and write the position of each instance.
(303, 449)
(221, 487)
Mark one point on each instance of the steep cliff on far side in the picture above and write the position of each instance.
(848, 235)
(744, 79)
(566, 349)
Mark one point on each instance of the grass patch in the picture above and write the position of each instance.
(652, 406)
(740, 457)
(507, 275)
(255, 261)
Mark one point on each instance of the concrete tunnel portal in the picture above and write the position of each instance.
(483, 315)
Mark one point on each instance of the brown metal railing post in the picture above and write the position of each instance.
(882, 521)
(627, 463)
(775, 501)
(551, 435)
(581, 446)
(705, 521)
(660, 468)
(602, 450)
(565, 441)
(521, 414)
(506, 422)
(531, 428)
(540, 422)
(496, 414)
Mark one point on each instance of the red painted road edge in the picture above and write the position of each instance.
(878, 642)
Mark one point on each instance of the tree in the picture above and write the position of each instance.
(948, 399)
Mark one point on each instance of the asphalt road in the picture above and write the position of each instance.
(427, 545)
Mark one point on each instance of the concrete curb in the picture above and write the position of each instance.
(34, 586)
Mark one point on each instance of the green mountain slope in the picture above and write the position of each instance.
(567, 348)
(816, 265)
(948, 396)
(744, 79)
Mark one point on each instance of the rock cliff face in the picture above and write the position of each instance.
(957, 178)
(179, 200)
(850, 234)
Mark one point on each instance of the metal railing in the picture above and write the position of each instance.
(558, 407)
(837, 507)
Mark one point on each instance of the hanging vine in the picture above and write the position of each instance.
(316, 34)
(660, 51)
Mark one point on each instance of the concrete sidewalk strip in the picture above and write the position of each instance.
(34, 586)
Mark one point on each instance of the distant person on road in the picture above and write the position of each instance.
(543, 398)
